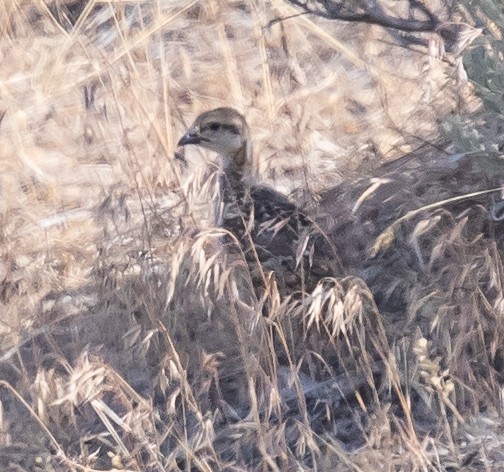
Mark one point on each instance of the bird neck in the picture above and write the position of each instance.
(238, 169)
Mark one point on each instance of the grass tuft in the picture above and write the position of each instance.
(133, 333)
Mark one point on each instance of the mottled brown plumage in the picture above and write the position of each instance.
(272, 230)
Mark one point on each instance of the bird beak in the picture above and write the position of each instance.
(180, 155)
(192, 136)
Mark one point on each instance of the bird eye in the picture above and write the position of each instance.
(214, 126)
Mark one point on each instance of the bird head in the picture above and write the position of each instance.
(222, 130)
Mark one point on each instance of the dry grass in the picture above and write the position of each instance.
(131, 339)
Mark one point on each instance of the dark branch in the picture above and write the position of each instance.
(370, 12)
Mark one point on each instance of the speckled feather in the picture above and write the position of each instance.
(266, 223)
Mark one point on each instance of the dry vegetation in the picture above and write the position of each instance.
(130, 339)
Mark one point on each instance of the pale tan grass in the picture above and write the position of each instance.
(127, 324)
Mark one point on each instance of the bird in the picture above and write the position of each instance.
(275, 235)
